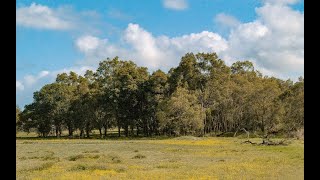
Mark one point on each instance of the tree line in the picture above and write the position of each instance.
(201, 96)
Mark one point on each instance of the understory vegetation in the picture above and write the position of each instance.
(202, 96)
(172, 158)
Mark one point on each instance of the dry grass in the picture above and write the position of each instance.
(180, 158)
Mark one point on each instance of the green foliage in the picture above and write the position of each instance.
(202, 95)
(181, 114)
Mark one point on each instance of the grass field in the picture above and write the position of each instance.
(177, 158)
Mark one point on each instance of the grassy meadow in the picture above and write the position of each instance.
(146, 158)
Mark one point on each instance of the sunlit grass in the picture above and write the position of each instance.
(177, 158)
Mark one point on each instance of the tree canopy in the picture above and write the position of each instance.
(202, 95)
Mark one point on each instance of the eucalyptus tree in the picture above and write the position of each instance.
(181, 114)
(265, 105)
(67, 91)
(293, 103)
(37, 115)
(201, 95)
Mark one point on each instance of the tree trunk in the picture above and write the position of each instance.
(105, 130)
(57, 131)
(126, 130)
(118, 130)
(145, 129)
(60, 132)
(100, 132)
(204, 118)
(88, 133)
(81, 133)
(132, 133)
(137, 131)
(70, 131)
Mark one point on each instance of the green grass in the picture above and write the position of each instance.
(143, 158)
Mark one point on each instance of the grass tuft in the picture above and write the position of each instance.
(76, 157)
(81, 156)
(114, 158)
(139, 156)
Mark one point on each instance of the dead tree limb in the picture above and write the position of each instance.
(247, 132)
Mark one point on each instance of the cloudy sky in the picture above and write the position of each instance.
(59, 36)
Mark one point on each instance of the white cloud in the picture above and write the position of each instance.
(175, 4)
(148, 50)
(282, 19)
(30, 80)
(31, 83)
(144, 45)
(42, 17)
(78, 70)
(226, 20)
(19, 86)
(87, 43)
(43, 74)
(274, 41)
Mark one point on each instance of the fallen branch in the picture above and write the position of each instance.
(248, 141)
(247, 132)
(272, 143)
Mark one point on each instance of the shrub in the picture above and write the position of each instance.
(139, 156)
(75, 157)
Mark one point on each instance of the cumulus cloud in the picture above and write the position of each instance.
(42, 17)
(62, 18)
(87, 43)
(144, 45)
(148, 50)
(81, 70)
(274, 41)
(175, 4)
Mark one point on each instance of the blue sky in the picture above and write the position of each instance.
(59, 36)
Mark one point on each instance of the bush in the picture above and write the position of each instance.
(79, 167)
(139, 156)
(75, 157)
(114, 158)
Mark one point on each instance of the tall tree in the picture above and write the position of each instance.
(181, 114)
